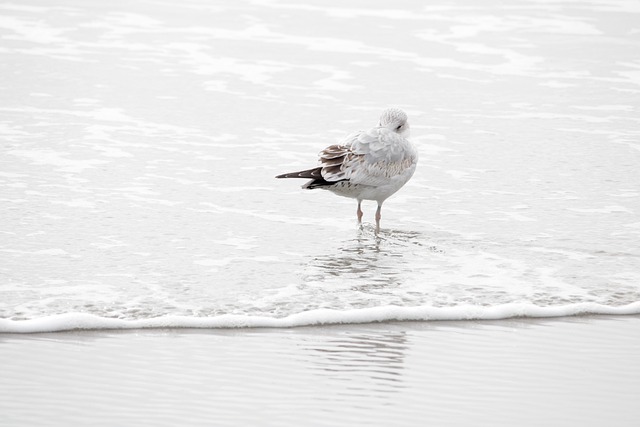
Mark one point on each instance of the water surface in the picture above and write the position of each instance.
(139, 143)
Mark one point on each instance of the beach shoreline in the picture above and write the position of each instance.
(578, 370)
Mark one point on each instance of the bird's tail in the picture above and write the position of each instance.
(314, 173)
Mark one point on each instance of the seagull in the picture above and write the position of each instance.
(366, 165)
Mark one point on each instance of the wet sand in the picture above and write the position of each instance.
(567, 371)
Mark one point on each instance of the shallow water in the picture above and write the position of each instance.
(140, 141)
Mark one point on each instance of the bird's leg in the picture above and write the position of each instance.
(378, 216)
(359, 213)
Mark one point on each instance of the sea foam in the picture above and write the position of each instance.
(84, 321)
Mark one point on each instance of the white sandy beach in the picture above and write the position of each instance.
(579, 371)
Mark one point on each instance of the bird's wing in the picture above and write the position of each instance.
(366, 157)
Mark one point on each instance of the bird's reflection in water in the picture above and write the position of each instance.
(369, 262)
(361, 360)
(367, 270)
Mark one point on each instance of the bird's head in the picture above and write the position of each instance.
(395, 120)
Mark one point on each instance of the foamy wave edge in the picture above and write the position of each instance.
(84, 321)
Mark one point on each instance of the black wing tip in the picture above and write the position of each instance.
(289, 175)
(310, 173)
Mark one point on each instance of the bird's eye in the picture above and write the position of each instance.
(398, 128)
